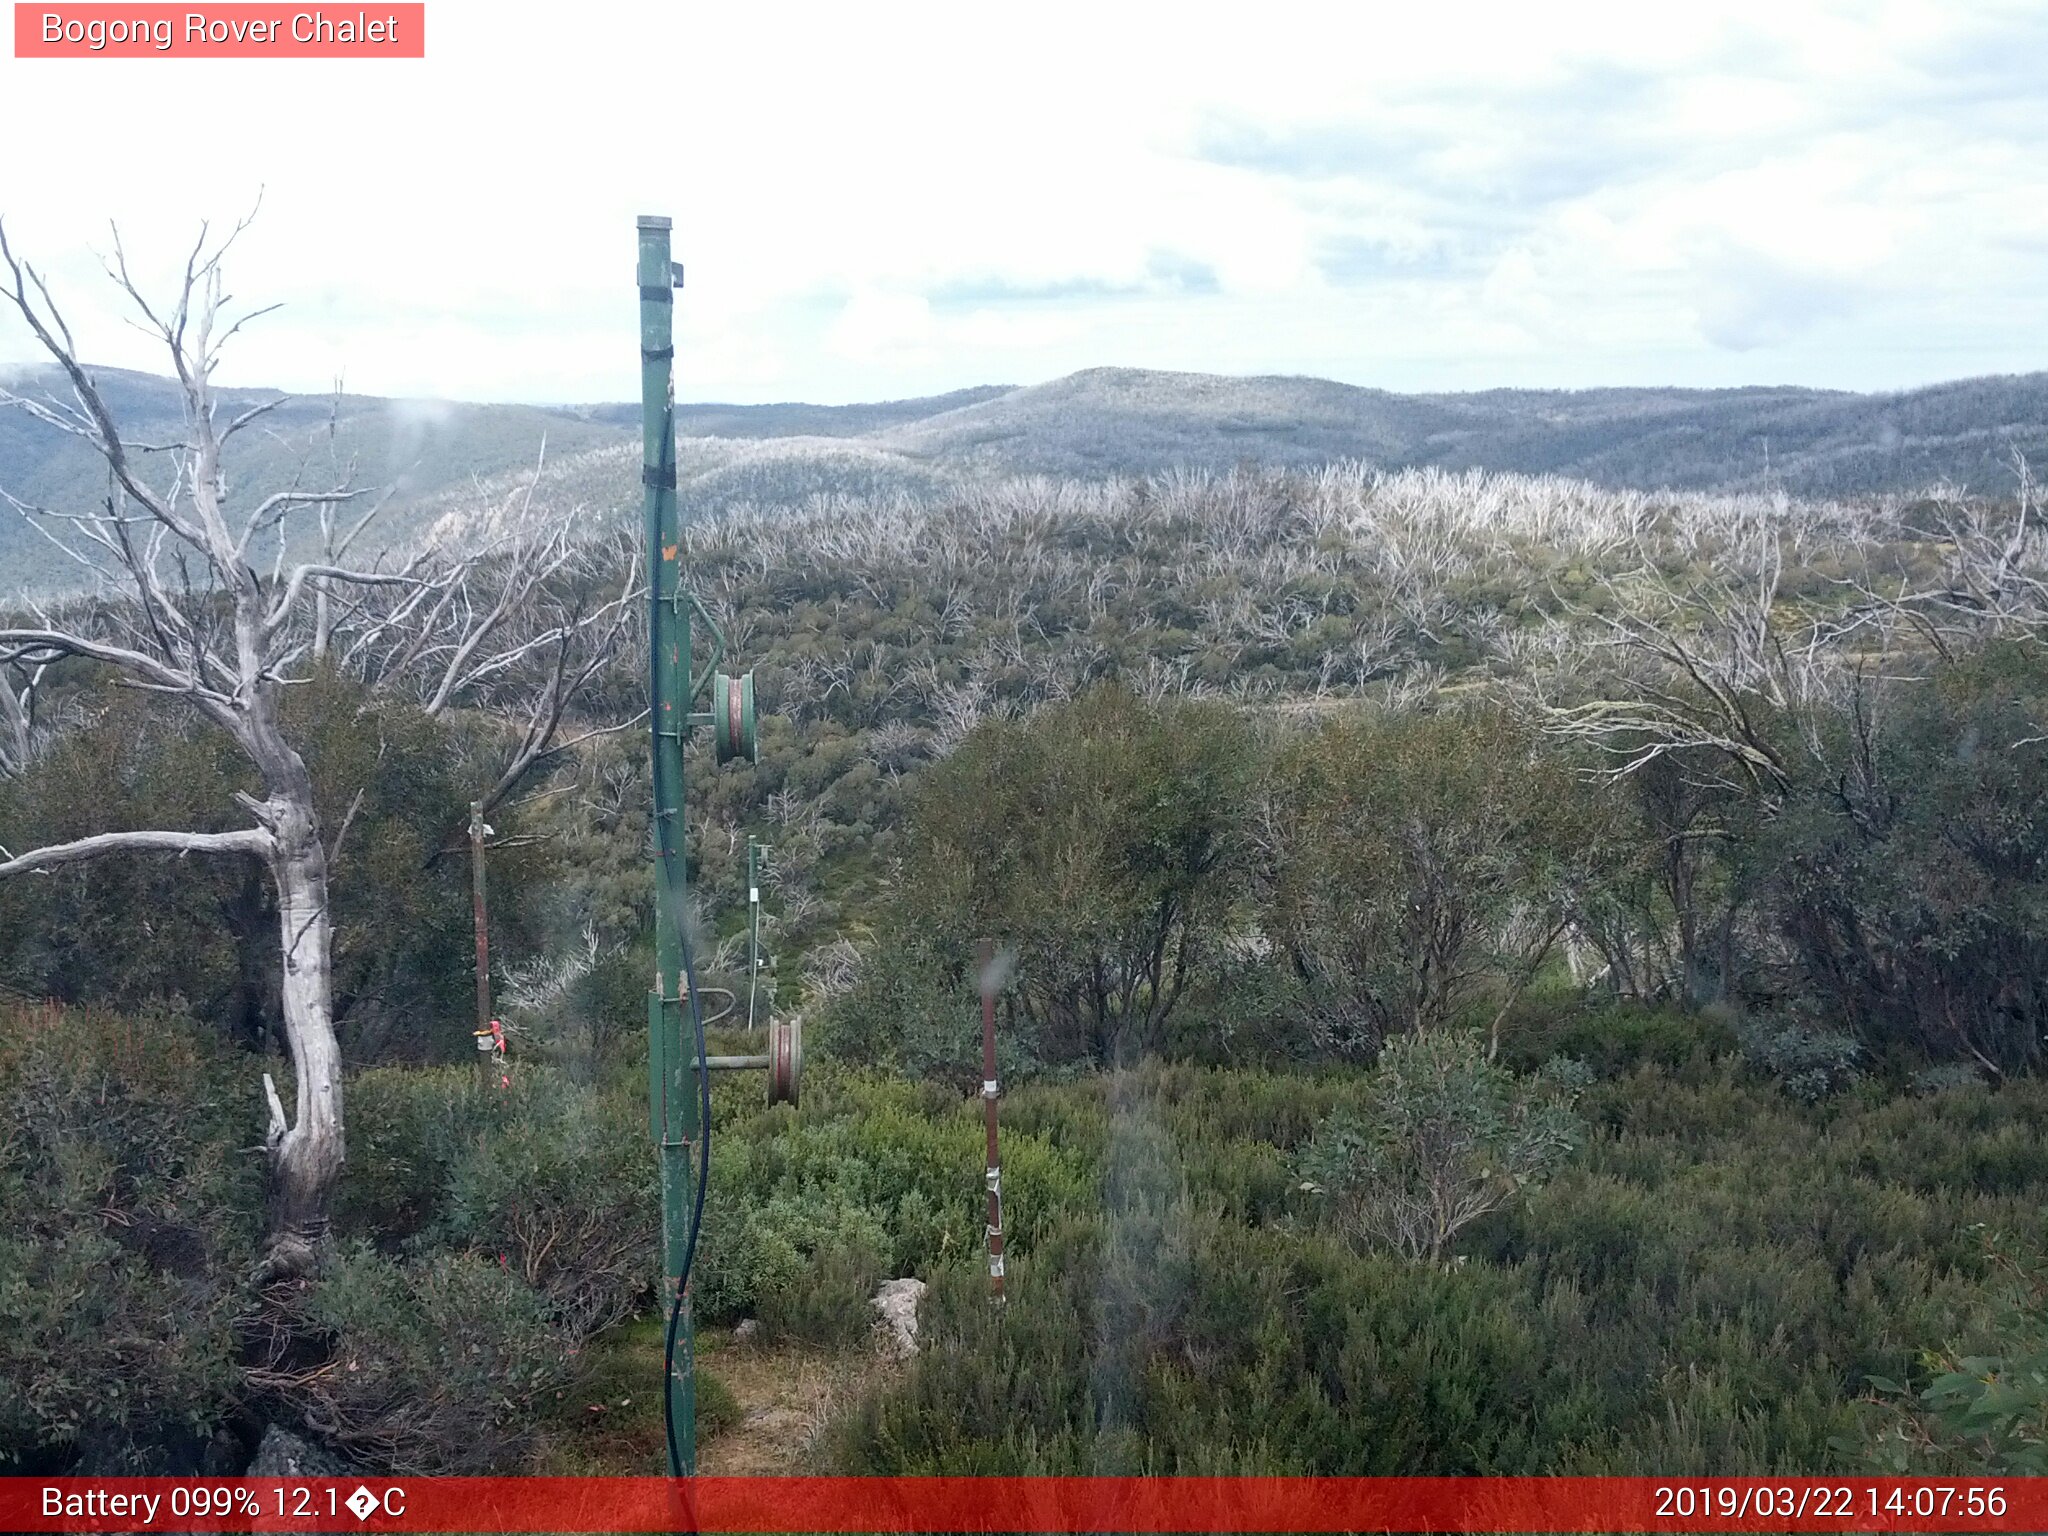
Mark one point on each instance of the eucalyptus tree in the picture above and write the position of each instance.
(1841, 775)
(184, 612)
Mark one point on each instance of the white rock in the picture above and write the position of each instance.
(897, 1301)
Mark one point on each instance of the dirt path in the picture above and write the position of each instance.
(787, 1394)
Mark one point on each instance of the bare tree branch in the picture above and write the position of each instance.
(251, 840)
(288, 599)
(24, 644)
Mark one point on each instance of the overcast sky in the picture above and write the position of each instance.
(875, 201)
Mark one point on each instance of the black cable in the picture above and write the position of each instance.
(731, 1006)
(675, 1307)
(667, 859)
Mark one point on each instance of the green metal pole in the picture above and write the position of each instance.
(672, 1085)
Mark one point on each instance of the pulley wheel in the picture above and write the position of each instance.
(732, 717)
(785, 1059)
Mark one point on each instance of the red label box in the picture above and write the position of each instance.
(387, 1506)
(234, 30)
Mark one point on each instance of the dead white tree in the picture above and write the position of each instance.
(1726, 670)
(1994, 570)
(18, 735)
(184, 613)
(1715, 669)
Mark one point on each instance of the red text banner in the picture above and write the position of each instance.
(1092, 1504)
(224, 31)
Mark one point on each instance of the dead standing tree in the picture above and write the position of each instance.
(18, 735)
(196, 623)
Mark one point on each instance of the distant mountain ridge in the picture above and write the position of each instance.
(1810, 442)
(1096, 423)
(793, 419)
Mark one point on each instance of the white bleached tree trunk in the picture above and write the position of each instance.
(190, 618)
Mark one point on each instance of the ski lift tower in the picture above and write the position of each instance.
(678, 1088)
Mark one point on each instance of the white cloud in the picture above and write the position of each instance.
(875, 326)
(1748, 300)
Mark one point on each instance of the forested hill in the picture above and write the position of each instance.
(1099, 423)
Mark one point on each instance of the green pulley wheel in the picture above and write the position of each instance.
(732, 717)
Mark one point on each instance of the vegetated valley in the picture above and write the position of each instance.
(1504, 975)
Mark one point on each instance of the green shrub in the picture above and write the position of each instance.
(1708, 1284)
(1101, 842)
(1446, 1136)
(755, 1250)
(1984, 1405)
(561, 1184)
(912, 1013)
(831, 1305)
(1946, 1077)
(1416, 864)
(1809, 1062)
(556, 1178)
(406, 1129)
(1903, 868)
(443, 1366)
(129, 1209)
(1617, 1035)
(871, 1173)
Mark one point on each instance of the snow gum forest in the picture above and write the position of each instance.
(1506, 972)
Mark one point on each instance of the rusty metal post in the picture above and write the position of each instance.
(477, 832)
(986, 958)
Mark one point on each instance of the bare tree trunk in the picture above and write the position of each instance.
(17, 744)
(306, 1159)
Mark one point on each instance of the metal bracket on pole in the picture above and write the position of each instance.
(717, 647)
